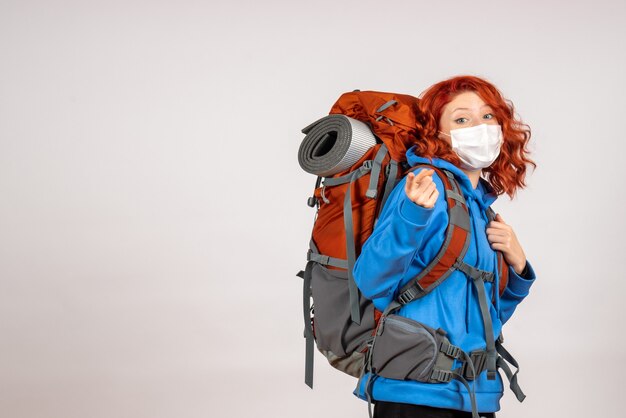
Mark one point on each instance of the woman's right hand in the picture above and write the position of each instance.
(421, 189)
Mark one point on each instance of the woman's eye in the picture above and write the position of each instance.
(488, 116)
(461, 120)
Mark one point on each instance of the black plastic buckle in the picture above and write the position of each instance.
(486, 276)
(406, 296)
(319, 258)
(478, 359)
(441, 376)
(451, 350)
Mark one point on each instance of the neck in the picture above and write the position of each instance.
(474, 176)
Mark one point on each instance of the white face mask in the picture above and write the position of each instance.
(477, 146)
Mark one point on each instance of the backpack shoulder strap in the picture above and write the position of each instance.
(503, 267)
(455, 244)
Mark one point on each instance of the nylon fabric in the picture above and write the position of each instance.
(491, 346)
(377, 165)
(329, 230)
(351, 252)
(308, 330)
(392, 116)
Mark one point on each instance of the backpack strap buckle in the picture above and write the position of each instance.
(443, 376)
(473, 272)
(408, 295)
(450, 350)
(486, 276)
(326, 260)
(478, 359)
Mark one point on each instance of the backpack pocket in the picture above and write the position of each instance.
(406, 349)
(333, 327)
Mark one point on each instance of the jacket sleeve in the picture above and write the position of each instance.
(387, 253)
(516, 290)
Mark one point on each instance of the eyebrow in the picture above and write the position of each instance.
(465, 108)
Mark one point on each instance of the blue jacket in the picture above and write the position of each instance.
(405, 239)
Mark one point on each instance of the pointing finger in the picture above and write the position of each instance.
(424, 173)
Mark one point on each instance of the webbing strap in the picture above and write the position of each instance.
(444, 375)
(505, 355)
(367, 367)
(355, 312)
(454, 247)
(473, 272)
(411, 293)
(456, 196)
(392, 173)
(372, 189)
(346, 178)
(478, 277)
(348, 223)
(327, 260)
(308, 329)
(468, 362)
(386, 105)
(502, 267)
(368, 391)
(477, 360)
(494, 289)
(453, 183)
(471, 392)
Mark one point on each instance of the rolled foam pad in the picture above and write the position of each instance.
(333, 144)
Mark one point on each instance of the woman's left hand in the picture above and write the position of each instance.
(502, 238)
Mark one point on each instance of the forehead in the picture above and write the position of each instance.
(467, 99)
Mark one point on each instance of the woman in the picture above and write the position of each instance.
(470, 130)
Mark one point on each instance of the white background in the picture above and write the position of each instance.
(153, 213)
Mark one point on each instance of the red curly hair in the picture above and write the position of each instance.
(506, 174)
